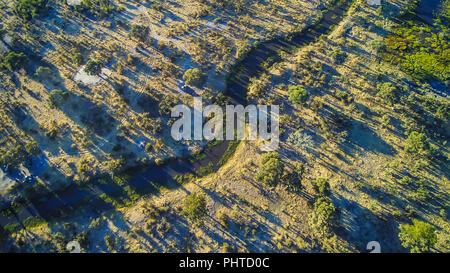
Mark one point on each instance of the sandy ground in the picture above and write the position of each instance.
(86, 79)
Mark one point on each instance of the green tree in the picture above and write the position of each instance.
(194, 77)
(271, 169)
(418, 237)
(28, 9)
(58, 98)
(94, 67)
(15, 61)
(417, 144)
(195, 208)
(297, 94)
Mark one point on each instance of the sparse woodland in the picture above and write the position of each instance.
(87, 91)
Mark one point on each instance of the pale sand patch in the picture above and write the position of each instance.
(84, 78)
(73, 2)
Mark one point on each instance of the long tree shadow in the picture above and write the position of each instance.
(362, 137)
(360, 225)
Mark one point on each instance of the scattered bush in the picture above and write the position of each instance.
(271, 169)
(148, 147)
(417, 144)
(195, 208)
(422, 193)
(301, 140)
(322, 186)
(297, 94)
(115, 165)
(110, 242)
(323, 218)
(194, 77)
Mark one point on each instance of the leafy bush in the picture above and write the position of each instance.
(195, 208)
(388, 92)
(12, 227)
(43, 73)
(323, 218)
(422, 192)
(271, 169)
(417, 144)
(194, 77)
(138, 32)
(157, 126)
(58, 98)
(297, 94)
(205, 170)
(94, 67)
(15, 61)
(418, 237)
(343, 96)
(166, 104)
(96, 223)
(322, 186)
